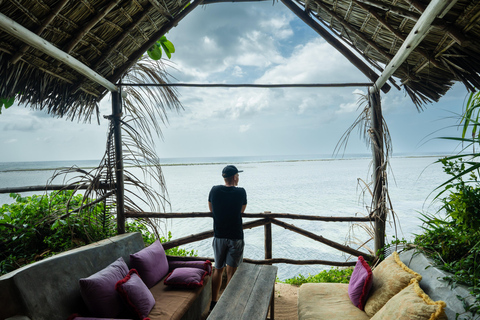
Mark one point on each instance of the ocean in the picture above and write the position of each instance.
(309, 185)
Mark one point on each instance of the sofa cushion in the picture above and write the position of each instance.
(360, 283)
(186, 277)
(327, 301)
(179, 300)
(389, 278)
(151, 263)
(98, 290)
(412, 303)
(205, 265)
(134, 291)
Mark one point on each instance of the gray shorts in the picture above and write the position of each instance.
(227, 252)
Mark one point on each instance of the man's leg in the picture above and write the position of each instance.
(230, 273)
(216, 283)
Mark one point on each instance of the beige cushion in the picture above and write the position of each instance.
(389, 278)
(328, 301)
(411, 304)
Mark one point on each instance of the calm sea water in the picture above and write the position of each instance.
(305, 185)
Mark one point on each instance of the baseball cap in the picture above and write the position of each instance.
(230, 171)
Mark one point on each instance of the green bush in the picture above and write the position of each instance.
(335, 275)
(36, 227)
(452, 240)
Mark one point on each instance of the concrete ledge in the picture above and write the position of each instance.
(434, 286)
(49, 289)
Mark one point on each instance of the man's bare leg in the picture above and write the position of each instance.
(216, 283)
(230, 273)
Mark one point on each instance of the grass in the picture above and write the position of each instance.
(335, 275)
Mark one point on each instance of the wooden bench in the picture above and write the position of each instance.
(248, 295)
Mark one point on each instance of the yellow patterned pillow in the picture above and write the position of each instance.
(411, 304)
(389, 278)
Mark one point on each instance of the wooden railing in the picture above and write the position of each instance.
(266, 220)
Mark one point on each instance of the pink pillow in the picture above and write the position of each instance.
(186, 277)
(360, 283)
(151, 263)
(136, 294)
(205, 265)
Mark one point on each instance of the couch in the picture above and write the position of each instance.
(390, 291)
(57, 287)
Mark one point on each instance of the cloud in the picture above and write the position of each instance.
(244, 128)
(10, 141)
(353, 106)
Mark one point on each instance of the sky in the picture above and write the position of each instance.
(247, 43)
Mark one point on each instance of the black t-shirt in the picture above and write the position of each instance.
(227, 203)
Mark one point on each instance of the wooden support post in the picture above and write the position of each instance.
(376, 134)
(268, 240)
(120, 191)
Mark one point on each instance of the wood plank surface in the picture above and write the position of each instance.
(248, 294)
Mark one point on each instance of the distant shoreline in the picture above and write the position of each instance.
(168, 162)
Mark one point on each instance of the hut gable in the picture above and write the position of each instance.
(109, 37)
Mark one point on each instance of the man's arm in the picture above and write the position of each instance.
(210, 206)
(243, 208)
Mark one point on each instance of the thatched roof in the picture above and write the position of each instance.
(109, 36)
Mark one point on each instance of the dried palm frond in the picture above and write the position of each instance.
(381, 206)
(144, 109)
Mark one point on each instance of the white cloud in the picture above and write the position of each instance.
(244, 128)
(10, 141)
(237, 72)
(353, 106)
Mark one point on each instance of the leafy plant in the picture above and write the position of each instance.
(155, 51)
(6, 103)
(452, 238)
(36, 227)
(335, 275)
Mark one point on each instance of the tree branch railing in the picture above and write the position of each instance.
(266, 220)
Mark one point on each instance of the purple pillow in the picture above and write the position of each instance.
(98, 290)
(186, 277)
(90, 318)
(360, 283)
(136, 294)
(204, 265)
(151, 263)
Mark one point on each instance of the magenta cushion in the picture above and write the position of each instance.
(360, 283)
(136, 294)
(204, 265)
(186, 277)
(98, 290)
(151, 263)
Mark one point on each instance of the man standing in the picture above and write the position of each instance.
(227, 204)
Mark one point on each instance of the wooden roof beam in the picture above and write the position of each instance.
(20, 32)
(416, 35)
(456, 34)
(363, 67)
(87, 27)
(17, 56)
(397, 33)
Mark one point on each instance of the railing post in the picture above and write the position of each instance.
(268, 239)
(376, 134)
(117, 131)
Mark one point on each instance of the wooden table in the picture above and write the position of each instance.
(248, 295)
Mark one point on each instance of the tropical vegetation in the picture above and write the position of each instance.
(337, 275)
(36, 227)
(451, 237)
